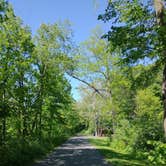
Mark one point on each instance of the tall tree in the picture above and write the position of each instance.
(94, 68)
(139, 33)
(52, 44)
(16, 47)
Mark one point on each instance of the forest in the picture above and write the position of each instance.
(123, 84)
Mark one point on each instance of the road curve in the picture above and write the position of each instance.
(77, 151)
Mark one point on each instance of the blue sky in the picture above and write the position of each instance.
(81, 13)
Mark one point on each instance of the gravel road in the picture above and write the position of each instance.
(77, 151)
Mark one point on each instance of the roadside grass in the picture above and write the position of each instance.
(115, 157)
(48, 146)
(25, 154)
(84, 132)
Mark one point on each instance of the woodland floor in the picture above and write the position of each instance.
(77, 151)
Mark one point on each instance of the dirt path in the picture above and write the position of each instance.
(75, 152)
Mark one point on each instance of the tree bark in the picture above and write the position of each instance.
(40, 113)
(160, 16)
(4, 120)
(42, 76)
(23, 108)
(3, 130)
(164, 97)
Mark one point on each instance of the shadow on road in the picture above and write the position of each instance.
(75, 152)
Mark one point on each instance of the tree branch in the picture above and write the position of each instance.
(88, 84)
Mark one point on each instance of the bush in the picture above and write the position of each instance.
(124, 136)
(156, 156)
(19, 152)
(149, 130)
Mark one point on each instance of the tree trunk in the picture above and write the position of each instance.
(41, 102)
(4, 120)
(40, 123)
(3, 130)
(160, 16)
(34, 124)
(42, 69)
(23, 108)
(164, 97)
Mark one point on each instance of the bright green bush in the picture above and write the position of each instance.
(148, 118)
(157, 155)
(124, 136)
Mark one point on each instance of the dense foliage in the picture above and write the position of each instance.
(126, 72)
(121, 71)
(36, 106)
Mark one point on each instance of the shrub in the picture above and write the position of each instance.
(156, 156)
(147, 131)
(124, 136)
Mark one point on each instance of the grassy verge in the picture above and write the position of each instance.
(19, 154)
(48, 146)
(84, 133)
(116, 158)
